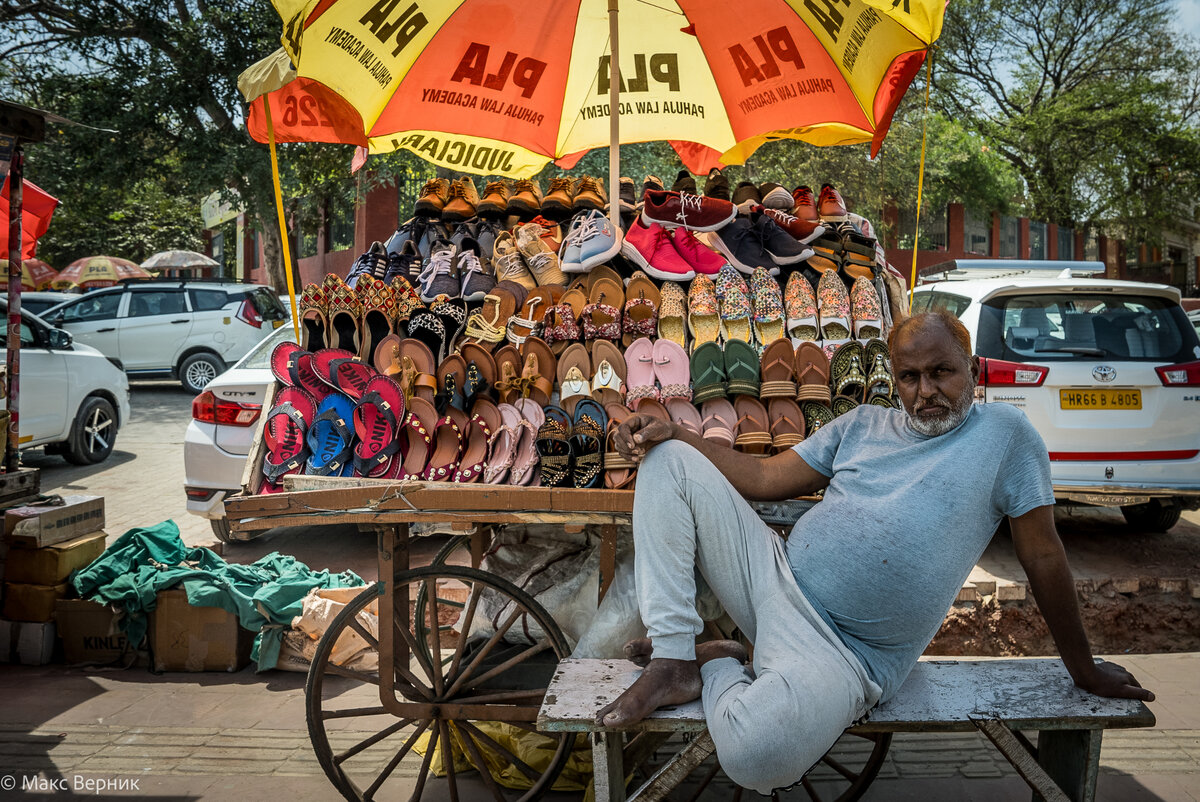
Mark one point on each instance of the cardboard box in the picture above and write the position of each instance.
(35, 527)
(26, 643)
(89, 632)
(53, 564)
(34, 603)
(187, 638)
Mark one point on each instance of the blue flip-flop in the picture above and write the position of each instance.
(331, 438)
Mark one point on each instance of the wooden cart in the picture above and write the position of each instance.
(376, 739)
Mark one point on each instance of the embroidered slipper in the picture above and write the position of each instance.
(487, 326)
(816, 415)
(601, 318)
(866, 309)
(574, 368)
(418, 434)
(833, 307)
(671, 370)
(284, 433)
(448, 441)
(640, 316)
(708, 372)
(451, 375)
(812, 373)
(560, 324)
(345, 317)
(481, 372)
(718, 421)
(378, 304)
(672, 314)
(800, 303)
(408, 300)
(846, 376)
(768, 306)
(787, 423)
(588, 426)
(753, 434)
(741, 368)
(427, 328)
(313, 308)
(639, 372)
(330, 438)
(378, 419)
(508, 371)
(293, 366)
(522, 324)
(524, 469)
(880, 381)
(343, 371)
(778, 366)
(619, 471)
(416, 370)
(537, 370)
(453, 314)
(686, 415)
(502, 445)
(608, 381)
(704, 320)
(554, 448)
(386, 358)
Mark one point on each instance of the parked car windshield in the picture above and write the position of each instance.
(1066, 326)
(934, 300)
(260, 355)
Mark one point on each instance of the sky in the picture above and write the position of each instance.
(1189, 16)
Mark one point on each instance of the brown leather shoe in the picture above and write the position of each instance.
(526, 197)
(830, 204)
(590, 194)
(558, 200)
(495, 198)
(433, 197)
(463, 198)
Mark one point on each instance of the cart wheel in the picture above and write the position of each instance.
(843, 774)
(455, 543)
(368, 753)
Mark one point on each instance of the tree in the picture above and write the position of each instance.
(1095, 104)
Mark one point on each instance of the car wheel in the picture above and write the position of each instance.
(93, 433)
(220, 528)
(1154, 516)
(198, 370)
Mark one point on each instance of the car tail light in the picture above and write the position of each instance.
(1186, 374)
(208, 408)
(1001, 373)
(248, 314)
(199, 493)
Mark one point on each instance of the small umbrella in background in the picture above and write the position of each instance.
(185, 260)
(35, 274)
(98, 271)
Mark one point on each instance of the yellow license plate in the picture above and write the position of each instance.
(1100, 399)
(276, 323)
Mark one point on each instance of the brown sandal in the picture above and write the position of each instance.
(787, 423)
(537, 370)
(778, 366)
(619, 472)
(753, 437)
(812, 369)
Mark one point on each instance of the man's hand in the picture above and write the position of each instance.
(1110, 679)
(636, 436)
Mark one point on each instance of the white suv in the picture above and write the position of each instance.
(1108, 372)
(190, 331)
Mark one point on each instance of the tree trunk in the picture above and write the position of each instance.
(273, 253)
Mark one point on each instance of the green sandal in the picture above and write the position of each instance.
(708, 372)
(741, 368)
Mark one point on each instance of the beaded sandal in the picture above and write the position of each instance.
(587, 443)
(554, 448)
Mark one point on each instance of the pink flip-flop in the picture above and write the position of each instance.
(502, 448)
(686, 415)
(377, 420)
(525, 462)
(719, 421)
(671, 370)
(639, 372)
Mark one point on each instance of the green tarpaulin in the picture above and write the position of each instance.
(265, 595)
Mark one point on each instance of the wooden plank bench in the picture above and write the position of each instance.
(997, 697)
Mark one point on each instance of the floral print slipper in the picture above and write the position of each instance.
(833, 306)
(733, 296)
(866, 309)
(704, 322)
(800, 303)
(672, 314)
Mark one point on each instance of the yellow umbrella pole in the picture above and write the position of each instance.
(287, 251)
(614, 120)
(912, 284)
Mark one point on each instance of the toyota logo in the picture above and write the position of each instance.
(1104, 373)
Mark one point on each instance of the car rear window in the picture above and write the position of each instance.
(267, 304)
(208, 300)
(1075, 325)
(260, 355)
(932, 301)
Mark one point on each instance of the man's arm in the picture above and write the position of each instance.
(1042, 556)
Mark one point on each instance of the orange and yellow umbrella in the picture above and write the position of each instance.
(35, 274)
(501, 87)
(98, 271)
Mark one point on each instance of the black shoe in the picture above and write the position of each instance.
(746, 193)
(783, 247)
(774, 196)
(421, 231)
(627, 196)
(684, 182)
(652, 183)
(439, 273)
(742, 244)
(406, 264)
(716, 185)
(371, 263)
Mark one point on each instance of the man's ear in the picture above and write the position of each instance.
(975, 368)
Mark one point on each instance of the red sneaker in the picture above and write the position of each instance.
(650, 247)
(693, 212)
(803, 230)
(830, 205)
(701, 258)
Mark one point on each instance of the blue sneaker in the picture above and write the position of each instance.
(591, 240)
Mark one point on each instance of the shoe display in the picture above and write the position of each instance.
(830, 205)
(433, 197)
(439, 274)
(475, 272)
(783, 248)
(650, 247)
(589, 194)
(461, 200)
(695, 253)
(526, 197)
(803, 230)
(541, 257)
(559, 199)
(690, 211)
(627, 195)
(716, 185)
(591, 240)
(742, 245)
(774, 196)
(746, 196)
(800, 307)
(494, 201)
(684, 182)
(509, 264)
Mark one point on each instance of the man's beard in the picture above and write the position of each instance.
(956, 413)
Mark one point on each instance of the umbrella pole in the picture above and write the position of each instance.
(287, 251)
(16, 172)
(912, 284)
(614, 120)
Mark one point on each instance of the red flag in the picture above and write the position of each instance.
(37, 207)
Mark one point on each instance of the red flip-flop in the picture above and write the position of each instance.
(293, 367)
(343, 371)
(377, 421)
(284, 433)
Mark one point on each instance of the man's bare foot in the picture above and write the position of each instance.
(639, 651)
(663, 682)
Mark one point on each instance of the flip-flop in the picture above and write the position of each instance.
(812, 371)
(686, 415)
(451, 375)
(537, 370)
(524, 470)
(502, 446)
(378, 419)
(619, 471)
(343, 372)
(640, 315)
(418, 433)
(508, 373)
(574, 368)
(708, 372)
(608, 379)
(386, 358)
(284, 434)
(481, 372)
(639, 372)
(417, 370)
(554, 448)
(753, 435)
(741, 368)
(293, 367)
(671, 370)
(816, 415)
(787, 423)
(718, 421)
(448, 441)
(330, 438)
(778, 367)
(588, 426)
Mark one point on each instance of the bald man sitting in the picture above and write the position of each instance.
(840, 612)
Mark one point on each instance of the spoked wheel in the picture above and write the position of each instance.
(843, 774)
(472, 692)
